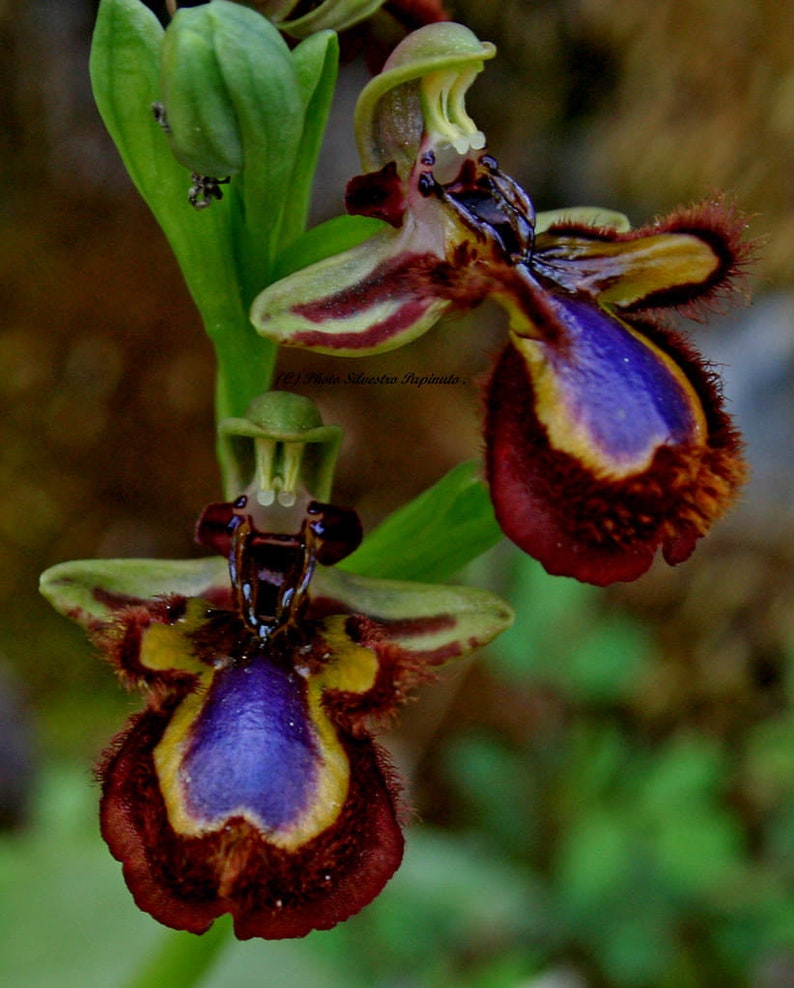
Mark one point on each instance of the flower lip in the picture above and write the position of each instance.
(598, 511)
(268, 749)
(610, 397)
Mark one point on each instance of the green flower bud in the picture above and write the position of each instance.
(419, 96)
(221, 66)
(202, 125)
(293, 452)
(336, 15)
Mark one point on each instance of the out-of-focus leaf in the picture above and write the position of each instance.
(435, 535)
(332, 237)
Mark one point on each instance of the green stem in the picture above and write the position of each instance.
(183, 959)
(245, 367)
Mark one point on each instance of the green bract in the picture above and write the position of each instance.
(420, 93)
(436, 535)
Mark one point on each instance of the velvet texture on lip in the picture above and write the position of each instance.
(250, 783)
(606, 433)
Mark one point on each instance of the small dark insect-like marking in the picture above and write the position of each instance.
(160, 115)
(204, 189)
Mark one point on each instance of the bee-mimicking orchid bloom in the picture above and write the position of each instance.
(250, 783)
(605, 431)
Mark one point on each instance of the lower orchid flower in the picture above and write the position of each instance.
(606, 433)
(250, 784)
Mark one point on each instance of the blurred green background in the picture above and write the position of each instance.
(603, 798)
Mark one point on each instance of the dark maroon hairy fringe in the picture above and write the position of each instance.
(186, 882)
(718, 223)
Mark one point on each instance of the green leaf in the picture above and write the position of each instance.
(435, 535)
(593, 863)
(332, 237)
(316, 61)
(182, 960)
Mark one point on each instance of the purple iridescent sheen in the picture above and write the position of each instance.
(252, 747)
(622, 392)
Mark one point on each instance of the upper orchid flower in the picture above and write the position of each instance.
(606, 435)
(250, 783)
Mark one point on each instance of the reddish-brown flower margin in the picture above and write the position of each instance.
(606, 432)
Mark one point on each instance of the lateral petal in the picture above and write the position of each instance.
(675, 263)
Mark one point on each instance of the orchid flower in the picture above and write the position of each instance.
(250, 783)
(606, 434)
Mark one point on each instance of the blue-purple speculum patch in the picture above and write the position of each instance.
(262, 763)
(250, 783)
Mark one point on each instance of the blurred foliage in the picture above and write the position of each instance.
(563, 830)
(607, 796)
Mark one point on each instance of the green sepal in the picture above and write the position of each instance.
(86, 590)
(435, 535)
(420, 91)
(90, 593)
(379, 321)
(473, 617)
(282, 443)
